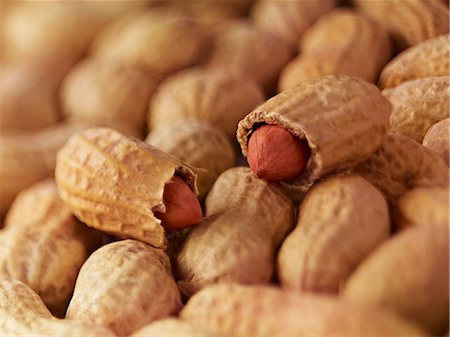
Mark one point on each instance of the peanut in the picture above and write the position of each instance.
(115, 184)
(354, 118)
(44, 245)
(268, 162)
(186, 141)
(341, 42)
(210, 96)
(26, 158)
(123, 286)
(408, 274)
(236, 310)
(108, 93)
(288, 20)
(426, 59)
(239, 236)
(423, 206)
(437, 138)
(170, 327)
(417, 105)
(401, 164)
(333, 235)
(22, 313)
(408, 22)
(152, 39)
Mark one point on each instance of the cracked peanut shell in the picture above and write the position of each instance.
(344, 119)
(114, 183)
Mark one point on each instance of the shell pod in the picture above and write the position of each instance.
(344, 119)
(114, 183)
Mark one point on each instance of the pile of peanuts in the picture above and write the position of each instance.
(224, 168)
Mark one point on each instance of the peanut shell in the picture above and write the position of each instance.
(437, 138)
(45, 245)
(245, 49)
(423, 206)
(114, 183)
(237, 240)
(123, 286)
(185, 140)
(28, 157)
(344, 119)
(427, 59)
(170, 327)
(333, 235)
(108, 93)
(408, 275)
(288, 20)
(22, 313)
(341, 42)
(159, 41)
(236, 310)
(408, 22)
(401, 164)
(417, 105)
(211, 96)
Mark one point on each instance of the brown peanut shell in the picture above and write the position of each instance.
(28, 157)
(437, 138)
(236, 310)
(235, 242)
(344, 119)
(423, 206)
(333, 235)
(158, 40)
(341, 42)
(22, 313)
(401, 164)
(417, 105)
(114, 183)
(44, 245)
(123, 286)
(202, 147)
(211, 96)
(170, 327)
(426, 59)
(409, 275)
(288, 20)
(108, 93)
(408, 22)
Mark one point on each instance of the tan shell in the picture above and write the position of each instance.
(408, 274)
(401, 164)
(113, 183)
(123, 286)
(211, 96)
(417, 105)
(171, 327)
(24, 314)
(236, 310)
(247, 219)
(408, 22)
(427, 59)
(437, 138)
(245, 49)
(44, 245)
(344, 119)
(423, 206)
(341, 221)
(288, 20)
(26, 158)
(108, 93)
(341, 42)
(155, 39)
(198, 145)
(28, 95)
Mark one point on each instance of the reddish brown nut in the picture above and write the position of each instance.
(275, 154)
(182, 206)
